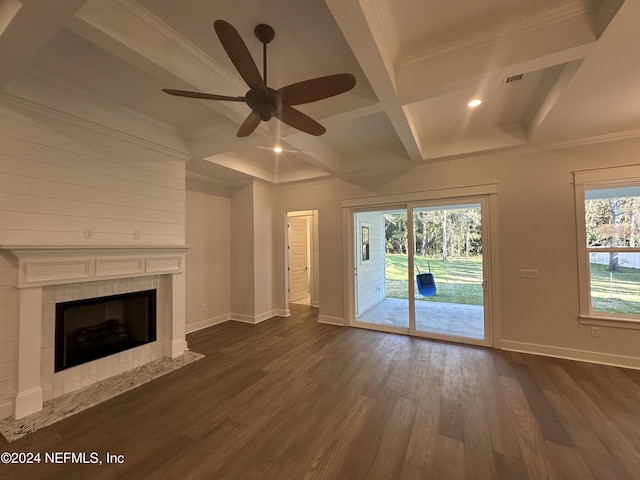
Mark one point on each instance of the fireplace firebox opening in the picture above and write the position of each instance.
(94, 328)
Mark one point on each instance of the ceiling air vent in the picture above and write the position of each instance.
(512, 78)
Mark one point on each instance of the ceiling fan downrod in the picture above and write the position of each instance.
(264, 102)
(265, 34)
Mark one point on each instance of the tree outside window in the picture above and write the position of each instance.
(612, 225)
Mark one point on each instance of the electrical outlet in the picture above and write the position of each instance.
(529, 273)
(88, 233)
(595, 331)
(329, 303)
(204, 307)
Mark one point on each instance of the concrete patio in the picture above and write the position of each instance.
(443, 318)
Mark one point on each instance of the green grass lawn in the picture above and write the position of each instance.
(457, 280)
(460, 281)
(615, 292)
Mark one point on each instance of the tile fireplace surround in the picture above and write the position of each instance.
(51, 274)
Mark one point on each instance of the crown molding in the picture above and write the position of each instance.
(384, 18)
(528, 148)
(608, 137)
(479, 40)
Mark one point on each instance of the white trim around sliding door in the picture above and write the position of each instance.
(486, 194)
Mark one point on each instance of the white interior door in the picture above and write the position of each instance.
(298, 258)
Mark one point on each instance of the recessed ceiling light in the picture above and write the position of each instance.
(474, 103)
(277, 149)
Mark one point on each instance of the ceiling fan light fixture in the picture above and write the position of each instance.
(474, 103)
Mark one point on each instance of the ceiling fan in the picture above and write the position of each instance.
(264, 101)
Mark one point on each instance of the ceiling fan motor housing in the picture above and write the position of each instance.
(266, 103)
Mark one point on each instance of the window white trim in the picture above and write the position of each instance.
(607, 176)
(444, 193)
(591, 180)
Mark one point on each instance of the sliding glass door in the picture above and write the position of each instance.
(449, 270)
(381, 264)
(421, 269)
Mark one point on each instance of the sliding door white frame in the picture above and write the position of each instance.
(486, 195)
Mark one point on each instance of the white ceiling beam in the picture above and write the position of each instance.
(373, 42)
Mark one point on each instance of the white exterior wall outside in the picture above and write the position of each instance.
(371, 287)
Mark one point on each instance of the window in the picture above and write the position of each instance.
(366, 254)
(609, 245)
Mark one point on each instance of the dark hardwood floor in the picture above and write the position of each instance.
(295, 399)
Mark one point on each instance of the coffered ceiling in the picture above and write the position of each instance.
(550, 72)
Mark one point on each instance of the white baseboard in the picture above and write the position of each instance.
(28, 402)
(236, 317)
(572, 354)
(209, 322)
(240, 317)
(331, 320)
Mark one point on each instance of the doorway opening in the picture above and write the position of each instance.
(302, 257)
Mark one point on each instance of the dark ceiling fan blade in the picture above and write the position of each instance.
(206, 96)
(317, 88)
(238, 54)
(297, 119)
(249, 125)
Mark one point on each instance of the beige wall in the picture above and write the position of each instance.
(251, 252)
(208, 211)
(241, 254)
(536, 229)
(263, 250)
(325, 196)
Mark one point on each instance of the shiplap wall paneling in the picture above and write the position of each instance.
(59, 188)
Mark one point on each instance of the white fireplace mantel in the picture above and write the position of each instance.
(40, 266)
